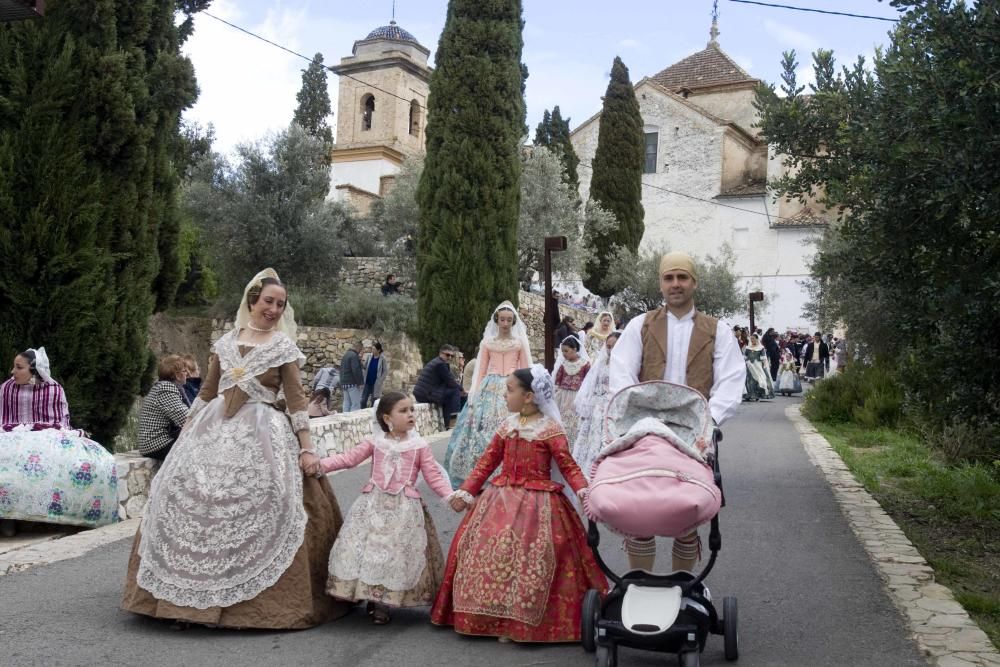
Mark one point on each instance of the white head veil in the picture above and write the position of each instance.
(287, 322)
(42, 364)
(597, 322)
(518, 332)
(560, 360)
(583, 404)
(545, 392)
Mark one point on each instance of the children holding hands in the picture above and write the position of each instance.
(388, 551)
(501, 578)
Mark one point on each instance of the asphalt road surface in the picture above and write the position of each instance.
(808, 595)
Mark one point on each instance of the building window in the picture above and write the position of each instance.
(649, 166)
(415, 118)
(367, 112)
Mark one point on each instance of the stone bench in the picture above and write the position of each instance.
(330, 435)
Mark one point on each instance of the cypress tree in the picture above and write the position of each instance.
(553, 133)
(314, 103)
(469, 192)
(90, 99)
(616, 181)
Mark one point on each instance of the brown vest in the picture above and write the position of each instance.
(700, 351)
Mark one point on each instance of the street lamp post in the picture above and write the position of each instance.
(551, 317)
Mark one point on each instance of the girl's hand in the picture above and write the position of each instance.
(309, 464)
(582, 493)
(457, 504)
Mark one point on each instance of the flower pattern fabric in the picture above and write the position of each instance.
(568, 379)
(56, 476)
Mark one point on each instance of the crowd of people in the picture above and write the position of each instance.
(777, 362)
(243, 530)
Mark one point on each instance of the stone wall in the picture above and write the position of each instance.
(181, 335)
(531, 307)
(330, 435)
(370, 272)
(324, 346)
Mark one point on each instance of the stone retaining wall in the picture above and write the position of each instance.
(531, 307)
(330, 435)
(370, 272)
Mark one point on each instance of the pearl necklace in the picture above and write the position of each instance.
(258, 329)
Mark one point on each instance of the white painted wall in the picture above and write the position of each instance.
(689, 161)
(364, 174)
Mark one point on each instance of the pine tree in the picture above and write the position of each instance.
(616, 182)
(469, 191)
(543, 133)
(89, 103)
(314, 102)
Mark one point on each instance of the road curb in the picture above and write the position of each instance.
(71, 546)
(942, 628)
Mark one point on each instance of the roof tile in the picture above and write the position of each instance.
(709, 67)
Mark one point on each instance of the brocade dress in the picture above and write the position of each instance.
(519, 564)
(50, 472)
(758, 381)
(234, 534)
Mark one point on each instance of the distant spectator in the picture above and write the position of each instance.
(352, 377)
(391, 286)
(328, 377)
(564, 329)
(376, 368)
(817, 357)
(163, 411)
(437, 385)
(319, 404)
(193, 384)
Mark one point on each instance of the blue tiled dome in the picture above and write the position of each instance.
(391, 31)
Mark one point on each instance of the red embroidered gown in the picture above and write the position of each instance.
(519, 564)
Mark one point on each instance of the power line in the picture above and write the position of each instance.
(816, 11)
(307, 58)
(706, 201)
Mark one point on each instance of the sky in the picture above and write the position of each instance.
(248, 87)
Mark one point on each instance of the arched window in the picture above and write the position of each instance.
(415, 118)
(367, 112)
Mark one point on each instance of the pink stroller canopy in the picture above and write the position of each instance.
(681, 409)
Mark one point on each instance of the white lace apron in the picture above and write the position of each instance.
(225, 516)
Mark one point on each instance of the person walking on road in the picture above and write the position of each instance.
(376, 368)
(678, 344)
(352, 377)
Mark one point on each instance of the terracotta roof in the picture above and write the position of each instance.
(710, 67)
(804, 218)
(751, 189)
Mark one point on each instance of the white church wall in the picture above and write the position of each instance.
(733, 105)
(364, 174)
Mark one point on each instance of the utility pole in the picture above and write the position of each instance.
(552, 244)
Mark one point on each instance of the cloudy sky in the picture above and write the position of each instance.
(248, 87)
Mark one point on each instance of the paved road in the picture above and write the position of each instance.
(808, 594)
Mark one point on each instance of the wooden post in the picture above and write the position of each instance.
(551, 317)
(754, 296)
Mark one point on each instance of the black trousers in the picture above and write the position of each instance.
(449, 398)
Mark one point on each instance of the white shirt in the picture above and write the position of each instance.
(728, 367)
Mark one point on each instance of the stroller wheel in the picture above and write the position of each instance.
(591, 614)
(691, 659)
(730, 628)
(607, 656)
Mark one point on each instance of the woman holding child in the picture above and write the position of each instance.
(240, 522)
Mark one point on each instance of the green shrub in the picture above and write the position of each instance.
(867, 395)
(312, 309)
(359, 308)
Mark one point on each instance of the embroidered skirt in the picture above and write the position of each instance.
(474, 429)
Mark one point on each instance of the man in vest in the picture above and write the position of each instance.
(678, 344)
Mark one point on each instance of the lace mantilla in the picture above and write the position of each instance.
(242, 370)
(197, 405)
(539, 429)
(504, 344)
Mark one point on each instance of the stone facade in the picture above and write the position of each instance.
(370, 272)
(531, 307)
(708, 150)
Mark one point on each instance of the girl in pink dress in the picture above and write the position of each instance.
(388, 551)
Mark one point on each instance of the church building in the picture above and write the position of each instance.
(381, 114)
(704, 180)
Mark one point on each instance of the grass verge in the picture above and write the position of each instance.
(950, 513)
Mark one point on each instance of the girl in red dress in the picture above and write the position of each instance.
(519, 564)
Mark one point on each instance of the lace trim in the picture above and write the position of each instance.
(242, 370)
(460, 493)
(196, 406)
(300, 421)
(199, 552)
(504, 344)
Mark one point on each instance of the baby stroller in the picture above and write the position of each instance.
(668, 613)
